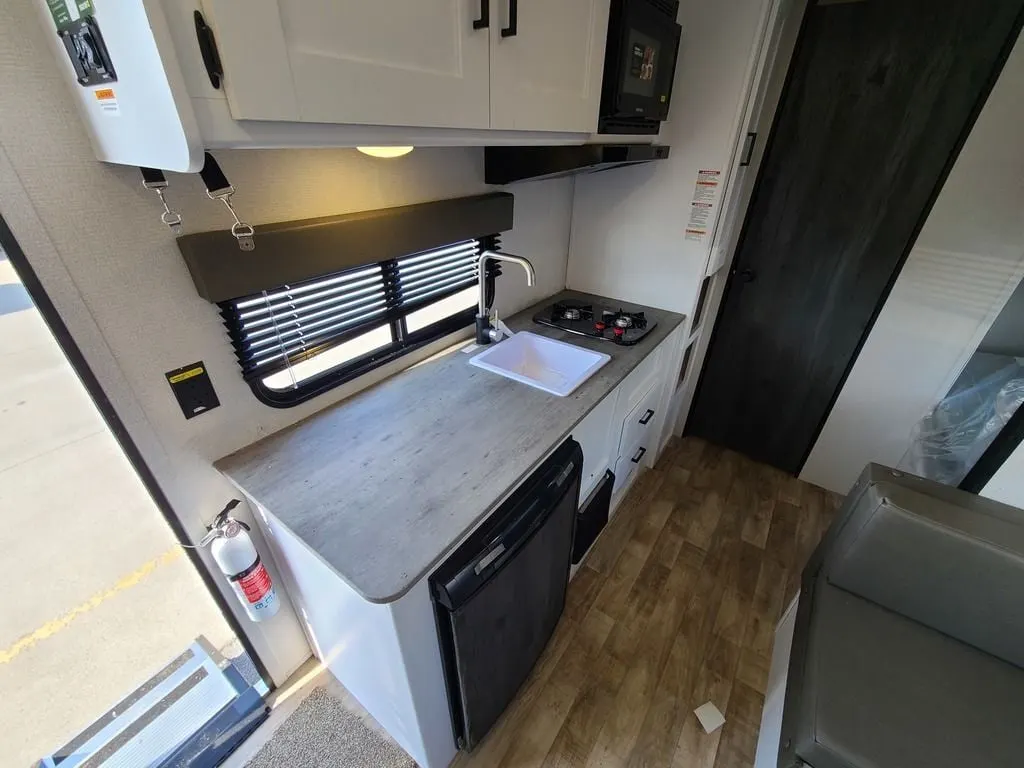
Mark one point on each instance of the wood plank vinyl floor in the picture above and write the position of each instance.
(675, 606)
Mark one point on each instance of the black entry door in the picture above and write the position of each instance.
(880, 96)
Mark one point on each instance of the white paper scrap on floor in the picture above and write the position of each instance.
(711, 719)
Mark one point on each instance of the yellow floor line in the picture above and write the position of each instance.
(51, 628)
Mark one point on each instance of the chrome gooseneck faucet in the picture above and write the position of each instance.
(485, 333)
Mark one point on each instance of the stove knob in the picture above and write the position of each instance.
(599, 326)
(619, 332)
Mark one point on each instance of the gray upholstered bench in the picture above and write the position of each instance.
(908, 638)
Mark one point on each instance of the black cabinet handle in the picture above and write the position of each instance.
(208, 50)
(513, 20)
(647, 417)
(639, 455)
(748, 149)
(485, 15)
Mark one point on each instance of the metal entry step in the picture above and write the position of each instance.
(193, 713)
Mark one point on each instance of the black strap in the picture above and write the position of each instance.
(153, 177)
(213, 177)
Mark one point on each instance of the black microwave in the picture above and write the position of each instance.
(639, 65)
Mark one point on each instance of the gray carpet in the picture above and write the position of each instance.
(321, 732)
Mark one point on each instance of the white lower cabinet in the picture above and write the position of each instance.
(639, 437)
(639, 392)
(387, 655)
(624, 431)
(593, 434)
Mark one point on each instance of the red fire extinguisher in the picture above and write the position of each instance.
(237, 558)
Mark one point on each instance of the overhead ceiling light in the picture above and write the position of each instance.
(385, 151)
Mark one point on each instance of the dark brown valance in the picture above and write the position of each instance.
(291, 251)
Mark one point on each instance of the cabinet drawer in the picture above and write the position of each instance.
(629, 463)
(640, 421)
(638, 436)
(638, 382)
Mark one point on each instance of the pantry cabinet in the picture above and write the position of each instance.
(470, 64)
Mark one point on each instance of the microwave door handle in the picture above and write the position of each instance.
(513, 20)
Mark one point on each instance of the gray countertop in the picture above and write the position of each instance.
(385, 483)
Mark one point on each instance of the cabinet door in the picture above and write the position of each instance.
(386, 62)
(547, 75)
(598, 451)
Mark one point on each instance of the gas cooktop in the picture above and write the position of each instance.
(598, 322)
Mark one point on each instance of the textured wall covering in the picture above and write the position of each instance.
(114, 273)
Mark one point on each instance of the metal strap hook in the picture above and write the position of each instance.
(154, 179)
(219, 188)
(242, 232)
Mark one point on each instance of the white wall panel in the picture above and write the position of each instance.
(114, 272)
(963, 268)
(628, 224)
(386, 655)
(1007, 485)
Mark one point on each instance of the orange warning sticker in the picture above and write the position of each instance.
(107, 100)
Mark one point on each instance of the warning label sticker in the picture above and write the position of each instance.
(256, 584)
(107, 100)
(700, 214)
(705, 197)
(189, 374)
(66, 12)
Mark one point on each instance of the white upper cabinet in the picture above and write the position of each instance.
(379, 62)
(194, 75)
(528, 65)
(547, 63)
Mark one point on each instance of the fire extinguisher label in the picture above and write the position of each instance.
(253, 583)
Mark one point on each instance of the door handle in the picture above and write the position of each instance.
(748, 149)
(485, 15)
(513, 20)
(647, 417)
(746, 275)
(639, 455)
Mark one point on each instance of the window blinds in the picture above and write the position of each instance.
(277, 328)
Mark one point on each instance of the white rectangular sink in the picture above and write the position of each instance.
(544, 363)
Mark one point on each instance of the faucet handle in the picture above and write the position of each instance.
(498, 330)
(495, 332)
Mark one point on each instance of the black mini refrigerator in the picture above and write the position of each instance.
(499, 596)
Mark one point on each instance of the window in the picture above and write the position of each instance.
(297, 341)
